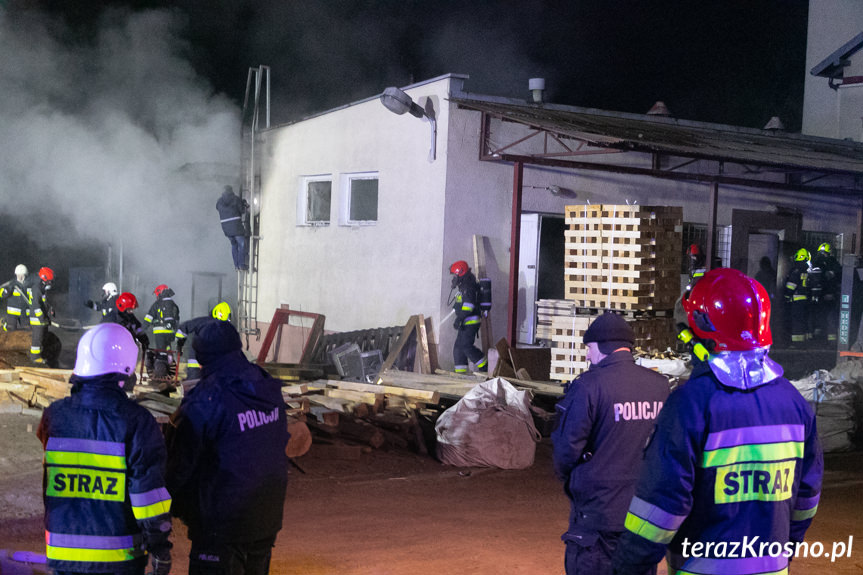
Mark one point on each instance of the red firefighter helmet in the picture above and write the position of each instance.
(459, 268)
(159, 289)
(126, 301)
(730, 308)
(694, 250)
(46, 274)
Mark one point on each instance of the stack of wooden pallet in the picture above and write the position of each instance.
(622, 258)
(27, 388)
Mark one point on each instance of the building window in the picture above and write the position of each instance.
(360, 206)
(315, 199)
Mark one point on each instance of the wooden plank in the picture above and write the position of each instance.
(423, 351)
(52, 386)
(410, 327)
(375, 399)
(398, 386)
(331, 403)
(298, 389)
(479, 267)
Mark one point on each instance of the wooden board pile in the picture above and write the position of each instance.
(621, 258)
(32, 388)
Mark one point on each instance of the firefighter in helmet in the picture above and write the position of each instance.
(163, 317)
(127, 303)
(14, 292)
(735, 450)
(826, 312)
(40, 311)
(187, 330)
(797, 298)
(108, 305)
(468, 317)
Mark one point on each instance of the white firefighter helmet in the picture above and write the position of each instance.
(110, 289)
(107, 348)
(21, 270)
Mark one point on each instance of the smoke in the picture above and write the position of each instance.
(115, 141)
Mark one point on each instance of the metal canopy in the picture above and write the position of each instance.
(569, 135)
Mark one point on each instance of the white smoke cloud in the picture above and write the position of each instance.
(119, 138)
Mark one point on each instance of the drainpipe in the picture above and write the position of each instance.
(514, 239)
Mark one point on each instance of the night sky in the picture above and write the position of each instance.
(730, 61)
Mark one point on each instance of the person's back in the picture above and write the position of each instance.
(227, 467)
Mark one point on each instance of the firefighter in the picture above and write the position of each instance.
(604, 419)
(126, 304)
(696, 265)
(797, 298)
(468, 318)
(231, 208)
(227, 465)
(40, 311)
(827, 312)
(18, 302)
(164, 316)
(187, 331)
(735, 452)
(106, 505)
(108, 306)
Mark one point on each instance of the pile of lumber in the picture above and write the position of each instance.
(32, 387)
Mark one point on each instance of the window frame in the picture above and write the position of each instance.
(303, 201)
(346, 197)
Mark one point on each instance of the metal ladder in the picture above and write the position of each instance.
(257, 99)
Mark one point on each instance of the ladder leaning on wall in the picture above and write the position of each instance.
(257, 100)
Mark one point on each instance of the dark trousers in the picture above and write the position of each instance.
(800, 329)
(231, 558)
(465, 350)
(38, 335)
(592, 553)
(238, 251)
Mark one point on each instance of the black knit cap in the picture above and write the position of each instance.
(610, 332)
(215, 339)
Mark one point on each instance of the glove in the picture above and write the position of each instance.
(180, 344)
(90, 304)
(161, 562)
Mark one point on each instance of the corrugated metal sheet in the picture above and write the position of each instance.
(682, 138)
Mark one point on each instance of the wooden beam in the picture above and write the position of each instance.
(514, 240)
(480, 269)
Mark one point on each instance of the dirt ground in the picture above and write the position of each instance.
(395, 512)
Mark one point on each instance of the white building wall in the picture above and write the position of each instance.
(358, 276)
(827, 112)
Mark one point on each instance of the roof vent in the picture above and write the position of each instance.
(537, 87)
(775, 125)
(659, 109)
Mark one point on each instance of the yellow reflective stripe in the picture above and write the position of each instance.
(162, 330)
(85, 459)
(86, 484)
(193, 363)
(754, 482)
(91, 555)
(648, 530)
(152, 510)
(13, 311)
(803, 514)
(799, 298)
(754, 452)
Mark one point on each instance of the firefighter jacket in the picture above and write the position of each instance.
(106, 504)
(604, 420)
(831, 276)
(164, 315)
(16, 296)
(231, 208)
(108, 308)
(727, 466)
(128, 320)
(796, 283)
(466, 303)
(37, 294)
(227, 468)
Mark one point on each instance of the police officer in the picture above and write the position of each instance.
(604, 420)
(106, 505)
(827, 311)
(227, 468)
(797, 298)
(108, 306)
(468, 318)
(188, 329)
(735, 454)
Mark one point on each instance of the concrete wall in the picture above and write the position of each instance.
(827, 112)
(358, 276)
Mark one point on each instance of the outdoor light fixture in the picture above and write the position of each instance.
(398, 102)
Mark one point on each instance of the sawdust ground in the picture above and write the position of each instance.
(390, 513)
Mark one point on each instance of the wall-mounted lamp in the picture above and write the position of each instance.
(398, 102)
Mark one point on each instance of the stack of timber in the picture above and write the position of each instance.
(621, 258)
(27, 388)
